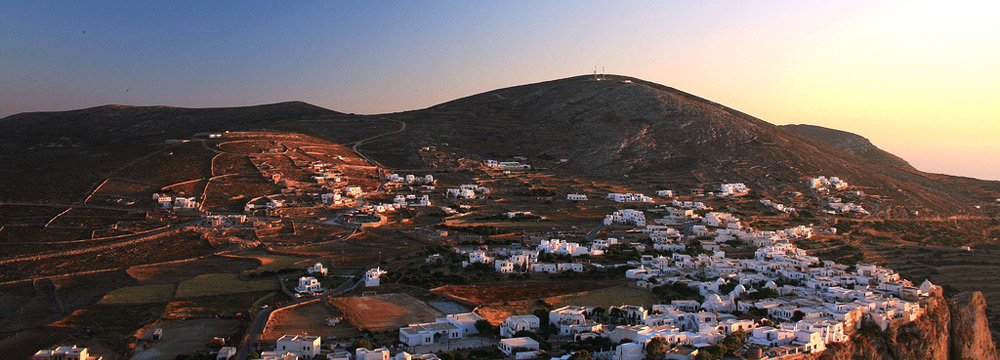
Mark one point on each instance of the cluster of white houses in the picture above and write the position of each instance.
(506, 165)
(838, 206)
(65, 353)
(626, 216)
(525, 260)
(630, 197)
(823, 183)
(733, 189)
(173, 202)
(811, 303)
(454, 326)
(467, 191)
(411, 179)
(818, 302)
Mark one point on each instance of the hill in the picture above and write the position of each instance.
(59, 156)
(626, 127)
(849, 142)
(620, 128)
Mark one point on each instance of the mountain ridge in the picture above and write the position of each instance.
(611, 128)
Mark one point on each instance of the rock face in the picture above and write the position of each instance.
(970, 332)
(950, 329)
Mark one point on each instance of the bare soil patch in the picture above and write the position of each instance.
(385, 311)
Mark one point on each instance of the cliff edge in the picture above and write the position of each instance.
(970, 331)
(949, 329)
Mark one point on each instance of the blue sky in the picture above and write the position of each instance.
(919, 79)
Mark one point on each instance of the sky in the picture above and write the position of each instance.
(919, 79)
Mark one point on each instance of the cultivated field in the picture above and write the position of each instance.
(184, 336)
(270, 262)
(221, 284)
(613, 296)
(385, 311)
(493, 293)
(142, 294)
(182, 270)
(307, 319)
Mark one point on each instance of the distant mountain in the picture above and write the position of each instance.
(116, 124)
(849, 142)
(60, 156)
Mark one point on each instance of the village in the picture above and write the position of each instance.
(721, 286)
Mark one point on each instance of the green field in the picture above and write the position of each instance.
(221, 284)
(142, 294)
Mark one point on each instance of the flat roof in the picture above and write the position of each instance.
(309, 338)
(437, 326)
(520, 342)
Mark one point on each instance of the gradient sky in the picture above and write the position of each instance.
(921, 80)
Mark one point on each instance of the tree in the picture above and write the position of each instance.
(484, 327)
(363, 343)
(798, 315)
(581, 355)
(543, 318)
(735, 340)
(656, 348)
(713, 352)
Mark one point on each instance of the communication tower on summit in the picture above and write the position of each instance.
(599, 76)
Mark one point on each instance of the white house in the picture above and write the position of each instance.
(629, 351)
(65, 353)
(278, 355)
(376, 354)
(627, 216)
(304, 346)
(429, 333)
(464, 321)
(226, 353)
(309, 285)
(575, 267)
(504, 266)
(317, 269)
(372, 276)
(630, 197)
(516, 323)
(576, 197)
(509, 346)
(353, 191)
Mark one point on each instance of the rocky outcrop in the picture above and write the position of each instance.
(949, 329)
(970, 332)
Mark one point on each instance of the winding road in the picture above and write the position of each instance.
(256, 329)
